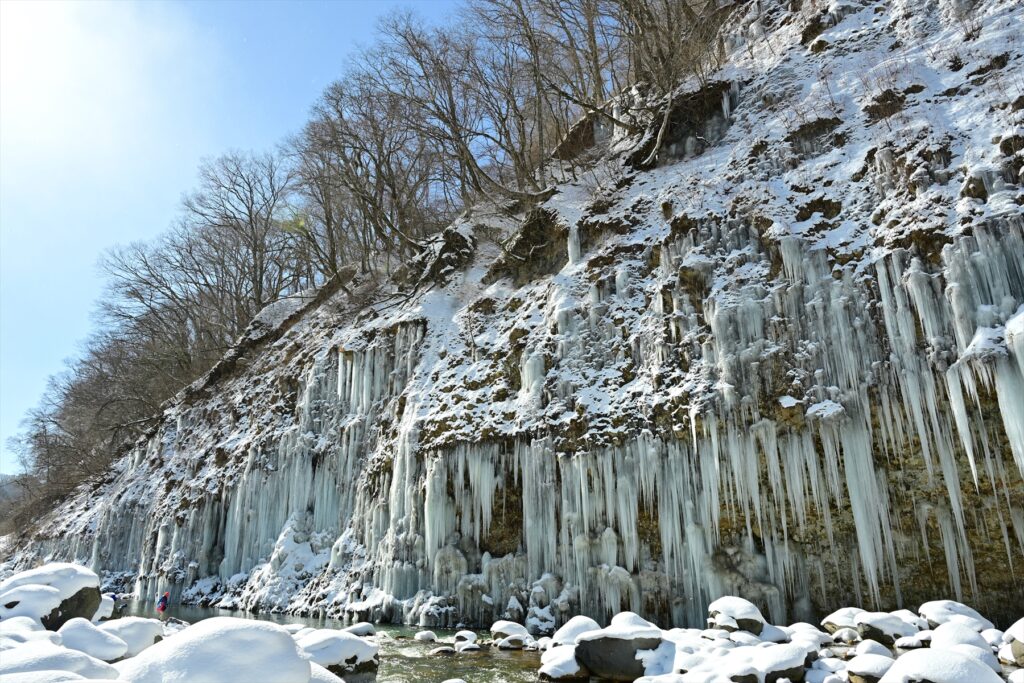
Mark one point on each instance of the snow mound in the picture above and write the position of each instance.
(559, 662)
(80, 634)
(220, 649)
(32, 601)
(137, 632)
(337, 648)
(939, 612)
(44, 656)
(574, 628)
(624, 626)
(955, 633)
(67, 578)
(319, 674)
(939, 667)
(504, 628)
(48, 676)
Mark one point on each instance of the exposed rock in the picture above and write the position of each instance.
(82, 604)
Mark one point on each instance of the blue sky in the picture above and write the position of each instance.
(106, 109)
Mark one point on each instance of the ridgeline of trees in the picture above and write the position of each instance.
(422, 124)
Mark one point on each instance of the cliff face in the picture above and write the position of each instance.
(787, 363)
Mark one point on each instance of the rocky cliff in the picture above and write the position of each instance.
(786, 363)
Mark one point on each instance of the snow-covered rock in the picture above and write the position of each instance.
(339, 651)
(559, 663)
(841, 618)
(868, 668)
(883, 627)
(74, 588)
(1014, 639)
(45, 656)
(217, 650)
(137, 632)
(732, 613)
(80, 634)
(939, 612)
(504, 628)
(939, 667)
(572, 629)
(425, 637)
(362, 629)
(612, 652)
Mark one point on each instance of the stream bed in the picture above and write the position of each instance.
(402, 659)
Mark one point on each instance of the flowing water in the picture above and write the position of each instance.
(402, 659)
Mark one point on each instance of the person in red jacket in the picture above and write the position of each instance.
(161, 605)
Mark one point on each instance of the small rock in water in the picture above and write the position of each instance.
(442, 651)
(426, 637)
(363, 628)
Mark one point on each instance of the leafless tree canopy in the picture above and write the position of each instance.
(422, 124)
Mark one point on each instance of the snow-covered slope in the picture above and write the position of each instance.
(786, 364)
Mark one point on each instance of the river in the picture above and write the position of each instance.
(402, 659)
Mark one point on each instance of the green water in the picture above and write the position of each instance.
(402, 659)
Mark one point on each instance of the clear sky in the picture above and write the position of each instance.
(106, 109)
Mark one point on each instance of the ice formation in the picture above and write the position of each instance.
(788, 368)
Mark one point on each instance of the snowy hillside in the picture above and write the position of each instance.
(786, 364)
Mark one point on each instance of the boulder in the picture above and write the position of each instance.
(561, 664)
(611, 652)
(83, 604)
(444, 650)
(572, 629)
(504, 628)
(883, 627)
(868, 668)
(732, 614)
(1014, 639)
(840, 619)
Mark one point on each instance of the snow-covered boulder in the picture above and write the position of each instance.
(841, 618)
(339, 651)
(572, 629)
(318, 674)
(137, 632)
(868, 668)
(34, 602)
(938, 666)
(45, 656)
(560, 664)
(80, 634)
(504, 628)
(468, 636)
(425, 637)
(515, 641)
(939, 612)
(732, 614)
(871, 647)
(77, 590)
(883, 627)
(362, 629)
(956, 633)
(846, 635)
(611, 652)
(220, 649)
(1014, 639)
(466, 646)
